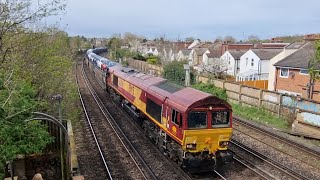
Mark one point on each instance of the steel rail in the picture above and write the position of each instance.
(271, 162)
(280, 138)
(114, 125)
(93, 132)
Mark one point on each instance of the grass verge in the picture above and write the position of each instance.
(260, 116)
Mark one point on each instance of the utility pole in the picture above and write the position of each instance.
(59, 98)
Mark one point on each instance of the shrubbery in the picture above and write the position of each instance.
(210, 88)
(174, 72)
(153, 59)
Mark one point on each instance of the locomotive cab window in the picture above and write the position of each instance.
(220, 119)
(197, 120)
(115, 80)
(176, 118)
(154, 110)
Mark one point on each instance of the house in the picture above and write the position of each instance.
(183, 54)
(194, 43)
(232, 59)
(208, 57)
(197, 55)
(292, 77)
(153, 51)
(288, 50)
(254, 64)
(236, 46)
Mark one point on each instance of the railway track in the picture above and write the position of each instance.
(284, 140)
(159, 165)
(265, 167)
(118, 158)
(287, 152)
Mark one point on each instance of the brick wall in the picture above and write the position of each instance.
(296, 83)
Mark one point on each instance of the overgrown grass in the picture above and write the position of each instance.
(260, 116)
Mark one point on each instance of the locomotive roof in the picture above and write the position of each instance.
(181, 98)
(187, 98)
(141, 80)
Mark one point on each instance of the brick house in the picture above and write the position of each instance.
(291, 75)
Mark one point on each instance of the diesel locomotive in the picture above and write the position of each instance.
(191, 127)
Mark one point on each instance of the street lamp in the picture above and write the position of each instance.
(186, 67)
(59, 98)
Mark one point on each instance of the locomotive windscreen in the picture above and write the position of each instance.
(197, 120)
(220, 119)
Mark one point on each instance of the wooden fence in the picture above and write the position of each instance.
(261, 84)
(145, 67)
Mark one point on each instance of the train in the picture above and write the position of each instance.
(190, 127)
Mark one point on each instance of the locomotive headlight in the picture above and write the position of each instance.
(191, 146)
(223, 144)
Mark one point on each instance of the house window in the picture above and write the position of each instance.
(304, 71)
(252, 62)
(247, 61)
(229, 62)
(284, 72)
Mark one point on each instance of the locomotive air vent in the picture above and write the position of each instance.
(128, 70)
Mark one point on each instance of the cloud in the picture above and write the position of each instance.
(202, 18)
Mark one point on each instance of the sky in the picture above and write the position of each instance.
(179, 19)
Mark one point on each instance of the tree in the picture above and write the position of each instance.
(26, 56)
(175, 72)
(229, 39)
(16, 15)
(130, 37)
(253, 39)
(216, 66)
(314, 67)
(218, 39)
(189, 39)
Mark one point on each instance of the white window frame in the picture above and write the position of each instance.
(247, 61)
(252, 62)
(305, 74)
(284, 76)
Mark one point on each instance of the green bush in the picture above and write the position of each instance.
(139, 56)
(211, 89)
(174, 72)
(152, 61)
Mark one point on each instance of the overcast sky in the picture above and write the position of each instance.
(204, 19)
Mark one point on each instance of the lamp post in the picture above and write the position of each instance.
(59, 98)
(186, 67)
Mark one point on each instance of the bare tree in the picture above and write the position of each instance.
(218, 39)
(189, 39)
(229, 39)
(253, 39)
